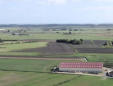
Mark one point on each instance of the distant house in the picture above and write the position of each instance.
(84, 67)
(19, 34)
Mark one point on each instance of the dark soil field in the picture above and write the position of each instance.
(52, 48)
(94, 46)
(95, 50)
(99, 43)
(86, 44)
(90, 44)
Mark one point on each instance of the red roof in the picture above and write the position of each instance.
(81, 65)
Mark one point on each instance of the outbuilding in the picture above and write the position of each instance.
(84, 67)
(110, 74)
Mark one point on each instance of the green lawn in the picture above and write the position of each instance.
(15, 72)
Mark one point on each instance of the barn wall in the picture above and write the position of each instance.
(95, 70)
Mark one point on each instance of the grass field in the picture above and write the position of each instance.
(15, 72)
(89, 34)
(92, 57)
(8, 49)
(45, 79)
(26, 72)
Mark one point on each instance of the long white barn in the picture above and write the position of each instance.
(89, 67)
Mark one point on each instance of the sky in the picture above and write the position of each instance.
(56, 11)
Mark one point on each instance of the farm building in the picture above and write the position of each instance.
(109, 73)
(84, 67)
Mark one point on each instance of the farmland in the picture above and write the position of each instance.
(40, 42)
(52, 48)
(6, 49)
(95, 50)
(45, 79)
(38, 33)
(24, 47)
(36, 72)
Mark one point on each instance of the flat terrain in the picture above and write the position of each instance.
(52, 48)
(97, 57)
(30, 65)
(21, 72)
(45, 79)
(37, 33)
(10, 48)
(95, 50)
(27, 60)
(91, 44)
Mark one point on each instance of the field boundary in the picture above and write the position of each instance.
(34, 58)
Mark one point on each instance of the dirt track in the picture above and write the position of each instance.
(33, 58)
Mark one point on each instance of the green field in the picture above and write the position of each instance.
(45, 79)
(92, 57)
(8, 49)
(15, 72)
(26, 72)
(86, 34)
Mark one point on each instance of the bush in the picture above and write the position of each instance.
(108, 64)
(1, 40)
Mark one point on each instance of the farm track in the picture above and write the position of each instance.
(36, 58)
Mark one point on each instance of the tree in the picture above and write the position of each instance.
(70, 33)
(1, 40)
(74, 41)
(81, 40)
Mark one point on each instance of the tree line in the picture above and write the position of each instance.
(73, 41)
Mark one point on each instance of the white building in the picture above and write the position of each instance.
(87, 67)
